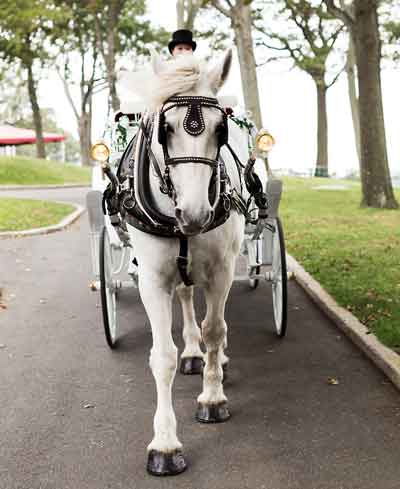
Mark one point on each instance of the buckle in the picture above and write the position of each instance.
(182, 261)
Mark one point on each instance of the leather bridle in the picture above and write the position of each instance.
(220, 188)
(194, 125)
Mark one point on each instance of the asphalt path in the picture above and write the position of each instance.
(75, 415)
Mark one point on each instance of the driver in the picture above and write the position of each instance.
(182, 42)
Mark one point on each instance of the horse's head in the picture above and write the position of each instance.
(192, 127)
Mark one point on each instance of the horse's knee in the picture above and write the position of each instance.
(164, 361)
(213, 332)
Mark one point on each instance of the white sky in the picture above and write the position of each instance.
(288, 102)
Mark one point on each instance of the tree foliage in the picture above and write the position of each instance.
(308, 38)
(24, 29)
(122, 29)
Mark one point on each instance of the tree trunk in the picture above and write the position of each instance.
(375, 175)
(321, 169)
(109, 53)
(241, 22)
(353, 99)
(180, 14)
(351, 83)
(85, 138)
(37, 118)
(186, 11)
(112, 80)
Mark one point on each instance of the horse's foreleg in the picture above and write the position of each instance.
(165, 451)
(192, 356)
(212, 406)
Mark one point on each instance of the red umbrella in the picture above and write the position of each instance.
(12, 136)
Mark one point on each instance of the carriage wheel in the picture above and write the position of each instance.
(279, 280)
(108, 289)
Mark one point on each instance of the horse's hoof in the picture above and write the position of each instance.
(212, 413)
(191, 366)
(160, 463)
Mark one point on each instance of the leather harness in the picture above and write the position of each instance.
(144, 214)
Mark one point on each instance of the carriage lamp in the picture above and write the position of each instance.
(264, 141)
(100, 152)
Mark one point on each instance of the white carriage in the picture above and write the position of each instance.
(112, 257)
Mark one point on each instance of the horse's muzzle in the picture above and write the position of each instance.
(191, 225)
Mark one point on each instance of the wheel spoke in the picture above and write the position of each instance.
(279, 280)
(108, 289)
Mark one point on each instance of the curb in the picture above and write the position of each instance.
(383, 357)
(63, 224)
(43, 187)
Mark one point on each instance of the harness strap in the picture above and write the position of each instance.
(191, 159)
(153, 158)
(239, 164)
(182, 261)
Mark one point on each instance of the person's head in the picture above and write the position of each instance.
(182, 49)
(182, 42)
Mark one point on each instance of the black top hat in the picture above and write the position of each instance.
(182, 36)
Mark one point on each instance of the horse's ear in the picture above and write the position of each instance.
(219, 74)
(156, 62)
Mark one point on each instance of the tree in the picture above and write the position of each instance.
(121, 29)
(186, 12)
(15, 110)
(362, 23)
(210, 24)
(53, 150)
(390, 13)
(23, 32)
(351, 68)
(309, 39)
(15, 105)
(78, 46)
(241, 15)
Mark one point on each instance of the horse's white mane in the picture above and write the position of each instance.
(164, 79)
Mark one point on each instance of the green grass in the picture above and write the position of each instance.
(21, 214)
(30, 171)
(353, 252)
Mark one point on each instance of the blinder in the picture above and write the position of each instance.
(162, 130)
(223, 131)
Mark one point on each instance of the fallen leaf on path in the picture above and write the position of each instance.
(3, 306)
(333, 381)
(88, 406)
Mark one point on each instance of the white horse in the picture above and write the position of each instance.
(212, 254)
